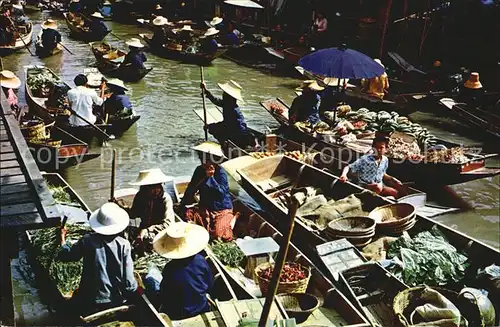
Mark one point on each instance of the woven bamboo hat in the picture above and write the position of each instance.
(473, 81)
(9, 80)
(186, 28)
(211, 31)
(310, 85)
(109, 219)
(181, 240)
(216, 21)
(134, 42)
(49, 23)
(158, 7)
(160, 21)
(117, 82)
(232, 88)
(17, 6)
(151, 177)
(97, 15)
(211, 148)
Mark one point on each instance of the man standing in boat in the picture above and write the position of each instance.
(81, 100)
(371, 170)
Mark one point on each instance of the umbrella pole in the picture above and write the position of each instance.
(384, 30)
(339, 95)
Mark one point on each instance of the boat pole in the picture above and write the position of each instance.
(293, 205)
(113, 176)
(62, 45)
(109, 137)
(204, 104)
(17, 31)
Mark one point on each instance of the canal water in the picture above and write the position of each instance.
(168, 127)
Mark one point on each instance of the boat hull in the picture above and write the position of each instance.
(80, 34)
(50, 158)
(20, 43)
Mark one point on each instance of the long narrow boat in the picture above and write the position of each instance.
(406, 170)
(198, 58)
(75, 25)
(41, 51)
(109, 63)
(37, 103)
(24, 39)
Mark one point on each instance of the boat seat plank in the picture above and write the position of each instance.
(17, 209)
(29, 220)
(5, 172)
(9, 164)
(6, 147)
(8, 180)
(16, 198)
(4, 137)
(274, 183)
(8, 156)
(14, 188)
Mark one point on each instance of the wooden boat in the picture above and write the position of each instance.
(372, 289)
(115, 126)
(42, 52)
(486, 122)
(109, 63)
(405, 170)
(24, 39)
(179, 54)
(267, 178)
(80, 32)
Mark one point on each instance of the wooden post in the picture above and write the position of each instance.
(280, 261)
(384, 30)
(204, 105)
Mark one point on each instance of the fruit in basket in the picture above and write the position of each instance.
(260, 155)
(297, 155)
(276, 108)
(292, 272)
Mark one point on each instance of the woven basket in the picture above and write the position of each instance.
(33, 129)
(299, 286)
(299, 305)
(352, 226)
(402, 212)
(47, 142)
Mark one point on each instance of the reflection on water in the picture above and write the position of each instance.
(168, 127)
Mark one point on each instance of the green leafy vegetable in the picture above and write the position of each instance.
(228, 253)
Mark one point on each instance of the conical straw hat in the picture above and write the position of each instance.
(160, 21)
(232, 88)
(134, 42)
(97, 15)
(181, 240)
(150, 177)
(9, 80)
(311, 85)
(109, 219)
(211, 31)
(49, 23)
(117, 82)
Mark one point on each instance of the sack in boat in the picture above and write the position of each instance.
(349, 206)
(311, 204)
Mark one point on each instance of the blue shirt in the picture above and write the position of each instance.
(107, 268)
(305, 107)
(184, 287)
(98, 26)
(368, 170)
(50, 38)
(213, 191)
(232, 39)
(135, 58)
(210, 46)
(233, 117)
(117, 102)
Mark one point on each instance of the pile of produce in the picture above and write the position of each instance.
(40, 81)
(428, 259)
(400, 149)
(143, 263)
(46, 245)
(298, 155)
(59, 194)
(228, 253)
(292, 272)
(453, 155)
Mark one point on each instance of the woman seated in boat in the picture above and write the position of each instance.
(233, 127)
(118, 104)
(208, 42)
(160, 26)
(187, 279)
(18, 16)
(50, 36)
(153, 206)
(97, 25)
(215, 208)
(376, 86)
(371, 171)
(107, 279)
(305, 107)
(135, 57)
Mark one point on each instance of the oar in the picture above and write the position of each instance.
(109, 137)
(113, 174)
(280, 261)
(204, 105)
(62, 45)
(119, 38)
(20, 36)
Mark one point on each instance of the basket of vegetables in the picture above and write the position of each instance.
(33, 129)
(294, 277)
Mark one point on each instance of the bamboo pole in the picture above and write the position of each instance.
(204, 104)
(113, 176)
(280, 261)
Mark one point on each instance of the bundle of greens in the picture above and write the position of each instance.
(40, 79)
(142, 264)
(46, 244)
(228, 253)
(427, 258)
(59, 194)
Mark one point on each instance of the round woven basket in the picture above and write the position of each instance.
(47, 142)
(398, 230)
(299, 305)
(33, 129)
(393, 215)
(352, 226)
(299, 286)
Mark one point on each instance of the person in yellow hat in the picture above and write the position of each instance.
(376, 86)
(305, 107)
(472, 91)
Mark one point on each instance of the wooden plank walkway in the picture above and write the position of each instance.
(25, 201)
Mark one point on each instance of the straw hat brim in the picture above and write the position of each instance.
(110, 229)
(196, 239)
(117, 85)
(135, 44)
(235, 93)
(97, 15)
(312, 87)
(49, 25)
(10, 83)
(151, 179)
(210, 33)
(209, 147)
(216, 21)
(473, 85)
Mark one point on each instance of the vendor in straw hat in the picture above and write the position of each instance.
(472, 91)
(215, 209)
(208, 42)
(161, 26)
(135, 57)
(305, 107)
(118, 103)
(97, 24)
(376, 86)
(152, 205)
(50, 36)
(10, 82)
(233, 127)
(187, 278)
(107, 279)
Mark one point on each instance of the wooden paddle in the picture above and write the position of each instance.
(109, 137)
(293, 205)
(113, 176)
(62, 45)
(20, 36)
(204, 104)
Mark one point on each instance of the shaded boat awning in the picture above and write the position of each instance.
(244, 3)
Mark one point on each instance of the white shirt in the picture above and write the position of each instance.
(81, 99)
